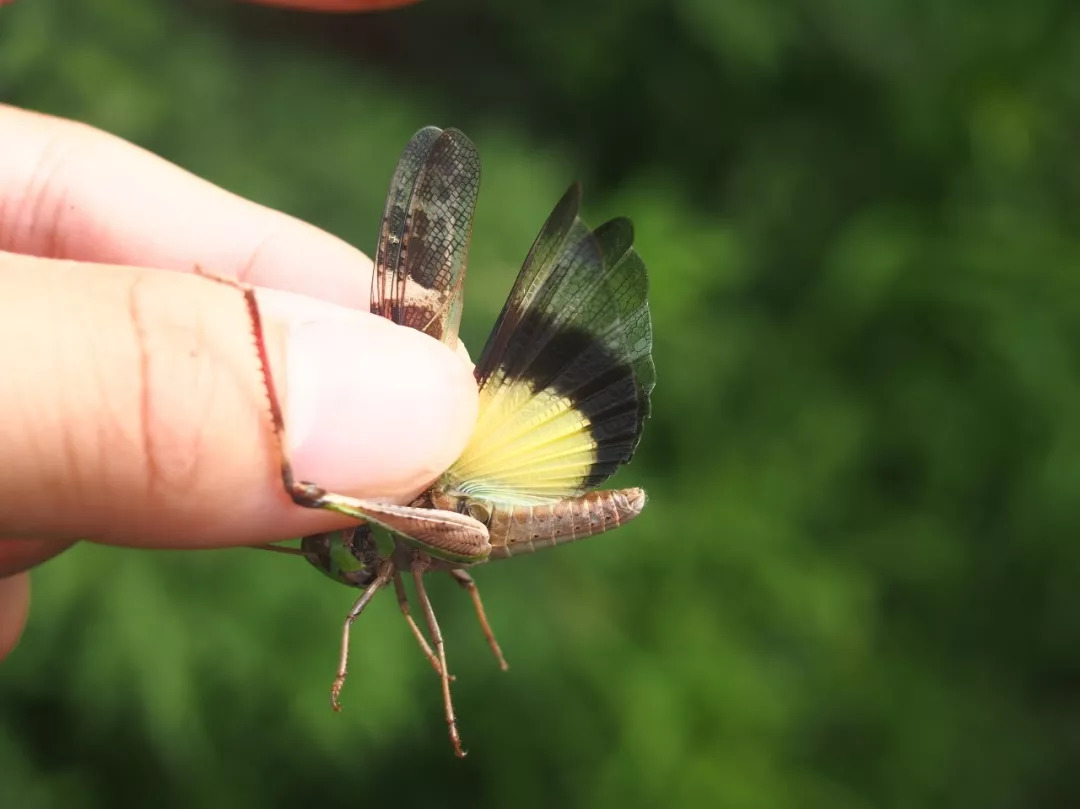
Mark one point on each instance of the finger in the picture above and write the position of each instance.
(14, 606)
(68, 190)
(17, 555)
(134, 410)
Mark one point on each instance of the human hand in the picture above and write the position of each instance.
(133, 411)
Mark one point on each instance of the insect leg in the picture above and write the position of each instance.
(440, 650)
(386, 572)
(302, 492)
(403, 602)
(467, 583)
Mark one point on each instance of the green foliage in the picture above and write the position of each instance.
(855, 585)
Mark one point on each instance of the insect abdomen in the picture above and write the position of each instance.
(524, 529)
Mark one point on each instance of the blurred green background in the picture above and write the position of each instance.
(856, 583)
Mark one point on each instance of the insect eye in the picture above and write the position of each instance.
(478, 510)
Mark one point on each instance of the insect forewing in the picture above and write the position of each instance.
(446, 534)
(424, 237)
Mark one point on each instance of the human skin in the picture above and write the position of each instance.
(134, 411)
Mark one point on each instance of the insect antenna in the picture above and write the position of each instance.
(278, 549)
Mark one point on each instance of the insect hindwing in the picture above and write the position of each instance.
(565, 376)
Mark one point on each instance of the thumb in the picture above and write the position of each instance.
(134, 410)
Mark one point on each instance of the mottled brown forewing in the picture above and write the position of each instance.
(424, 238)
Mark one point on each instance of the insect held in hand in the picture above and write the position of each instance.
(564, 384)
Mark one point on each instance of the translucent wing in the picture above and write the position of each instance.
(424, 238)
(566, 375)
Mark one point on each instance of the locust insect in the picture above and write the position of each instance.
(564, 384)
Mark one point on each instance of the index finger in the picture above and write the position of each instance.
(70, 191)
